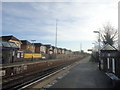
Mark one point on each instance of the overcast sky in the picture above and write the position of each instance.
(33, 19)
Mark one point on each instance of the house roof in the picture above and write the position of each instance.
(25, 42)
(9, 37)
(53, 47)
(38, 44)
(60, 48)
(65, 49)
(48, 46)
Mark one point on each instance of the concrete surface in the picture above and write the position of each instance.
(84, 75)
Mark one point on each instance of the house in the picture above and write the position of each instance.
(55, 50)
(11, 38)
(43, 49)
(59, 50)
(27, 46)
(76, 52)
(68, 52)
(37, 47)
(63, 51)
(49, 49)
(40, 48)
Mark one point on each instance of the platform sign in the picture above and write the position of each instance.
(119, 25)
(90, 50)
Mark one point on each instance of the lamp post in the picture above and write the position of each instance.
(33, 49)
(99, 46)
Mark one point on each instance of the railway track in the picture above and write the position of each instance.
(27, 80)
(40, 79)
(50, 75)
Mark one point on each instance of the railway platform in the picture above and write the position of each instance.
(84, 75)
(26, 72)
(34, 61)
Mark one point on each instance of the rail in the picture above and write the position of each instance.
(27, 80)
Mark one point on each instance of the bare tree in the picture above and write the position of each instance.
(109, 34)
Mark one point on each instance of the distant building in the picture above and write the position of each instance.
(40, 48)
(49, 49)
(11, 38)
(27, 46)
(76, 52)
(59, 50)
(63, 51)
(55, 50)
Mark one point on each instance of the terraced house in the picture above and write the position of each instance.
(40, 48)
(27, 46)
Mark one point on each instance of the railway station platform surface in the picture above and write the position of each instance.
(20, 62)
(23, 62)
(84, 75)
(29, 62)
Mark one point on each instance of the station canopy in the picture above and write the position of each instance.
(108, 47)
(10, 45)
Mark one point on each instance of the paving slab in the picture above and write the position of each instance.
(84, 75)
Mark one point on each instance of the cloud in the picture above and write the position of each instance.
(76, 19)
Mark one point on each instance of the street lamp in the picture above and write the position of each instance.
(98, 40)
(33, 48)
(99, 45)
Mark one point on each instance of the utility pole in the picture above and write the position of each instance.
(56, 40)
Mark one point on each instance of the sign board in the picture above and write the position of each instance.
(89, 49)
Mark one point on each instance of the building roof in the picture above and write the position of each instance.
(60, 48)
(38, 44)
(25, 42)
(48, 46)
(64, 49)
(9, 37)
(55, 47)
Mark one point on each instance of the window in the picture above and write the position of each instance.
(0, 44)
(6, 44)
(13, 45)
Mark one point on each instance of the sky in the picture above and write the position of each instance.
(76, 20)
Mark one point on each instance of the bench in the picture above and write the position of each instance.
(114, 78)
